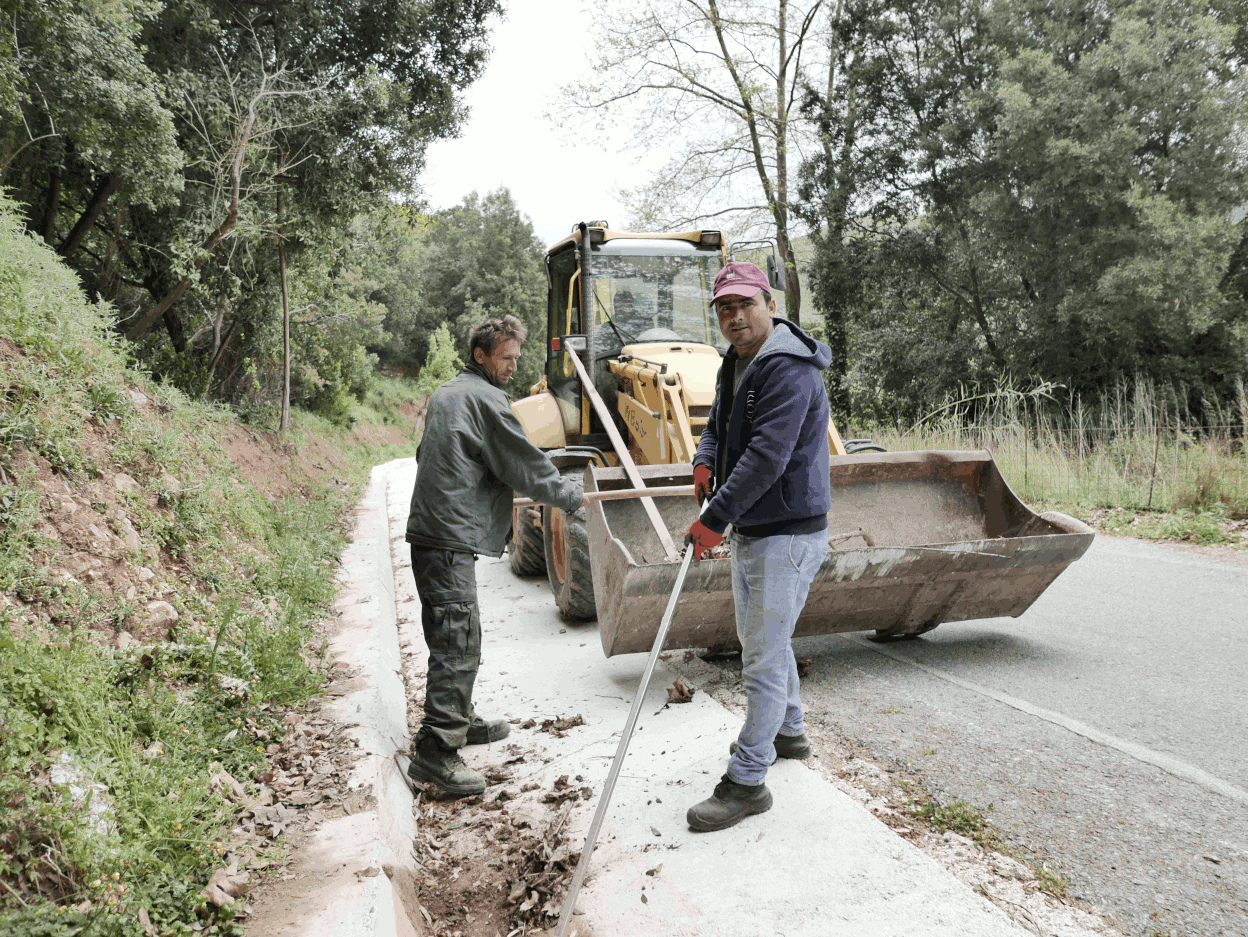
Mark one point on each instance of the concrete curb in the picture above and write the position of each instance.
(820, 865)
(855, 875)
(364, 862)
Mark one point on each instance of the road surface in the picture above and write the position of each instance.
(1107, 728)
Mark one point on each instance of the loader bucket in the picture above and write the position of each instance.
(917, 538)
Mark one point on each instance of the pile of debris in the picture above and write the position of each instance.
(558, 727)
(499, 863)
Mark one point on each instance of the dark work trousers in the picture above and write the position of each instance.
(446, 582)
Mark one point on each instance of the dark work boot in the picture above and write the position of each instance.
(787, 746)
(442, 767)
(481, 731)
(729, 805)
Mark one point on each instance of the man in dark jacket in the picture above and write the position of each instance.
(762, 466)
(473, 455)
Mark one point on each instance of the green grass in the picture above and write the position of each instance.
(214, 693)
(970, 821)
(235, 674)
(962, 818)
(1050, 882)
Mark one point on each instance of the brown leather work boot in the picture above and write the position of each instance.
(729, 805)
(442, 767)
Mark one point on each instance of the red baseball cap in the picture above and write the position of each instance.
(740, 278)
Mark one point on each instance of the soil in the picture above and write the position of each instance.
(500, 862)
(92, 530)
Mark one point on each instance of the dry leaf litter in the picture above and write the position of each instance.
(499, 863)
(304, 784)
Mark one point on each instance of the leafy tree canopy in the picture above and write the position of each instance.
(475, 261)
(1042, 190)
(165, 148)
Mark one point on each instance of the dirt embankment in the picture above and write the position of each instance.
(118, 535)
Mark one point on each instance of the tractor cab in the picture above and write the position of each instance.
(635, 299)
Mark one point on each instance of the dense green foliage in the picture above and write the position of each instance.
(250, 576)
(477, 260)
(1048, 191)
(163, 148)
(442, 364)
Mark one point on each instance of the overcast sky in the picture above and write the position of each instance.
(507, 141)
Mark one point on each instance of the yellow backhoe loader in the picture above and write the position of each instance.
(632, 353)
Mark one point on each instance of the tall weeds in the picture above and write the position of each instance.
(1102, 454)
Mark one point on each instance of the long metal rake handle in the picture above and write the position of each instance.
(621, 494)
(582, 866)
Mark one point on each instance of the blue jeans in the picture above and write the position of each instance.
(770, 579)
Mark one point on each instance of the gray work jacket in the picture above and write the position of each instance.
(473, 455)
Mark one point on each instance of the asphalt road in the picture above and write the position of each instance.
(1107, 727)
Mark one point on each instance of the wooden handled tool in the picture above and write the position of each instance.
(621, 494)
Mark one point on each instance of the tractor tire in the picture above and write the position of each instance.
(526, 552)
(567, 563)
(862, 445)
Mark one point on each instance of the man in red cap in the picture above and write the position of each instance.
(762, 467)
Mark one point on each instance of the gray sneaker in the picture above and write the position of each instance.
(443, 768)
(787, 746)
(482, 731)
(729, 805)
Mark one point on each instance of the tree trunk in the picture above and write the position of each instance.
(833, 271)
(103, 192)
(107, 283)
(780, 206)
(977, 302)
(776, 198)
(231, 219)
(177, 333)
(48, 225)
(281, 259)
(217, 355)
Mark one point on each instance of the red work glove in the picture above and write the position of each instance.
(702, 538)
(701, 482)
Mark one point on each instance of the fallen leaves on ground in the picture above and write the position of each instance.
(680, 692)
(559, 726)
(304, 784)
(496, 775)
(563, 791)
(502, 863)
(306, 781)
(225, 885)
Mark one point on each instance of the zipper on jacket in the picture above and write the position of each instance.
(725, 416)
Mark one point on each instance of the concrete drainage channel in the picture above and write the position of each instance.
(650, 874)
(358, 872)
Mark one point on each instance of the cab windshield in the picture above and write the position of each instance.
(654, 298)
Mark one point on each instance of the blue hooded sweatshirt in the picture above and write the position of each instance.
(768, 448)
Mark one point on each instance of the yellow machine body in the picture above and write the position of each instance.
(915, 538)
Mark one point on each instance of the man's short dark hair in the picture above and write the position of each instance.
(486, 335)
